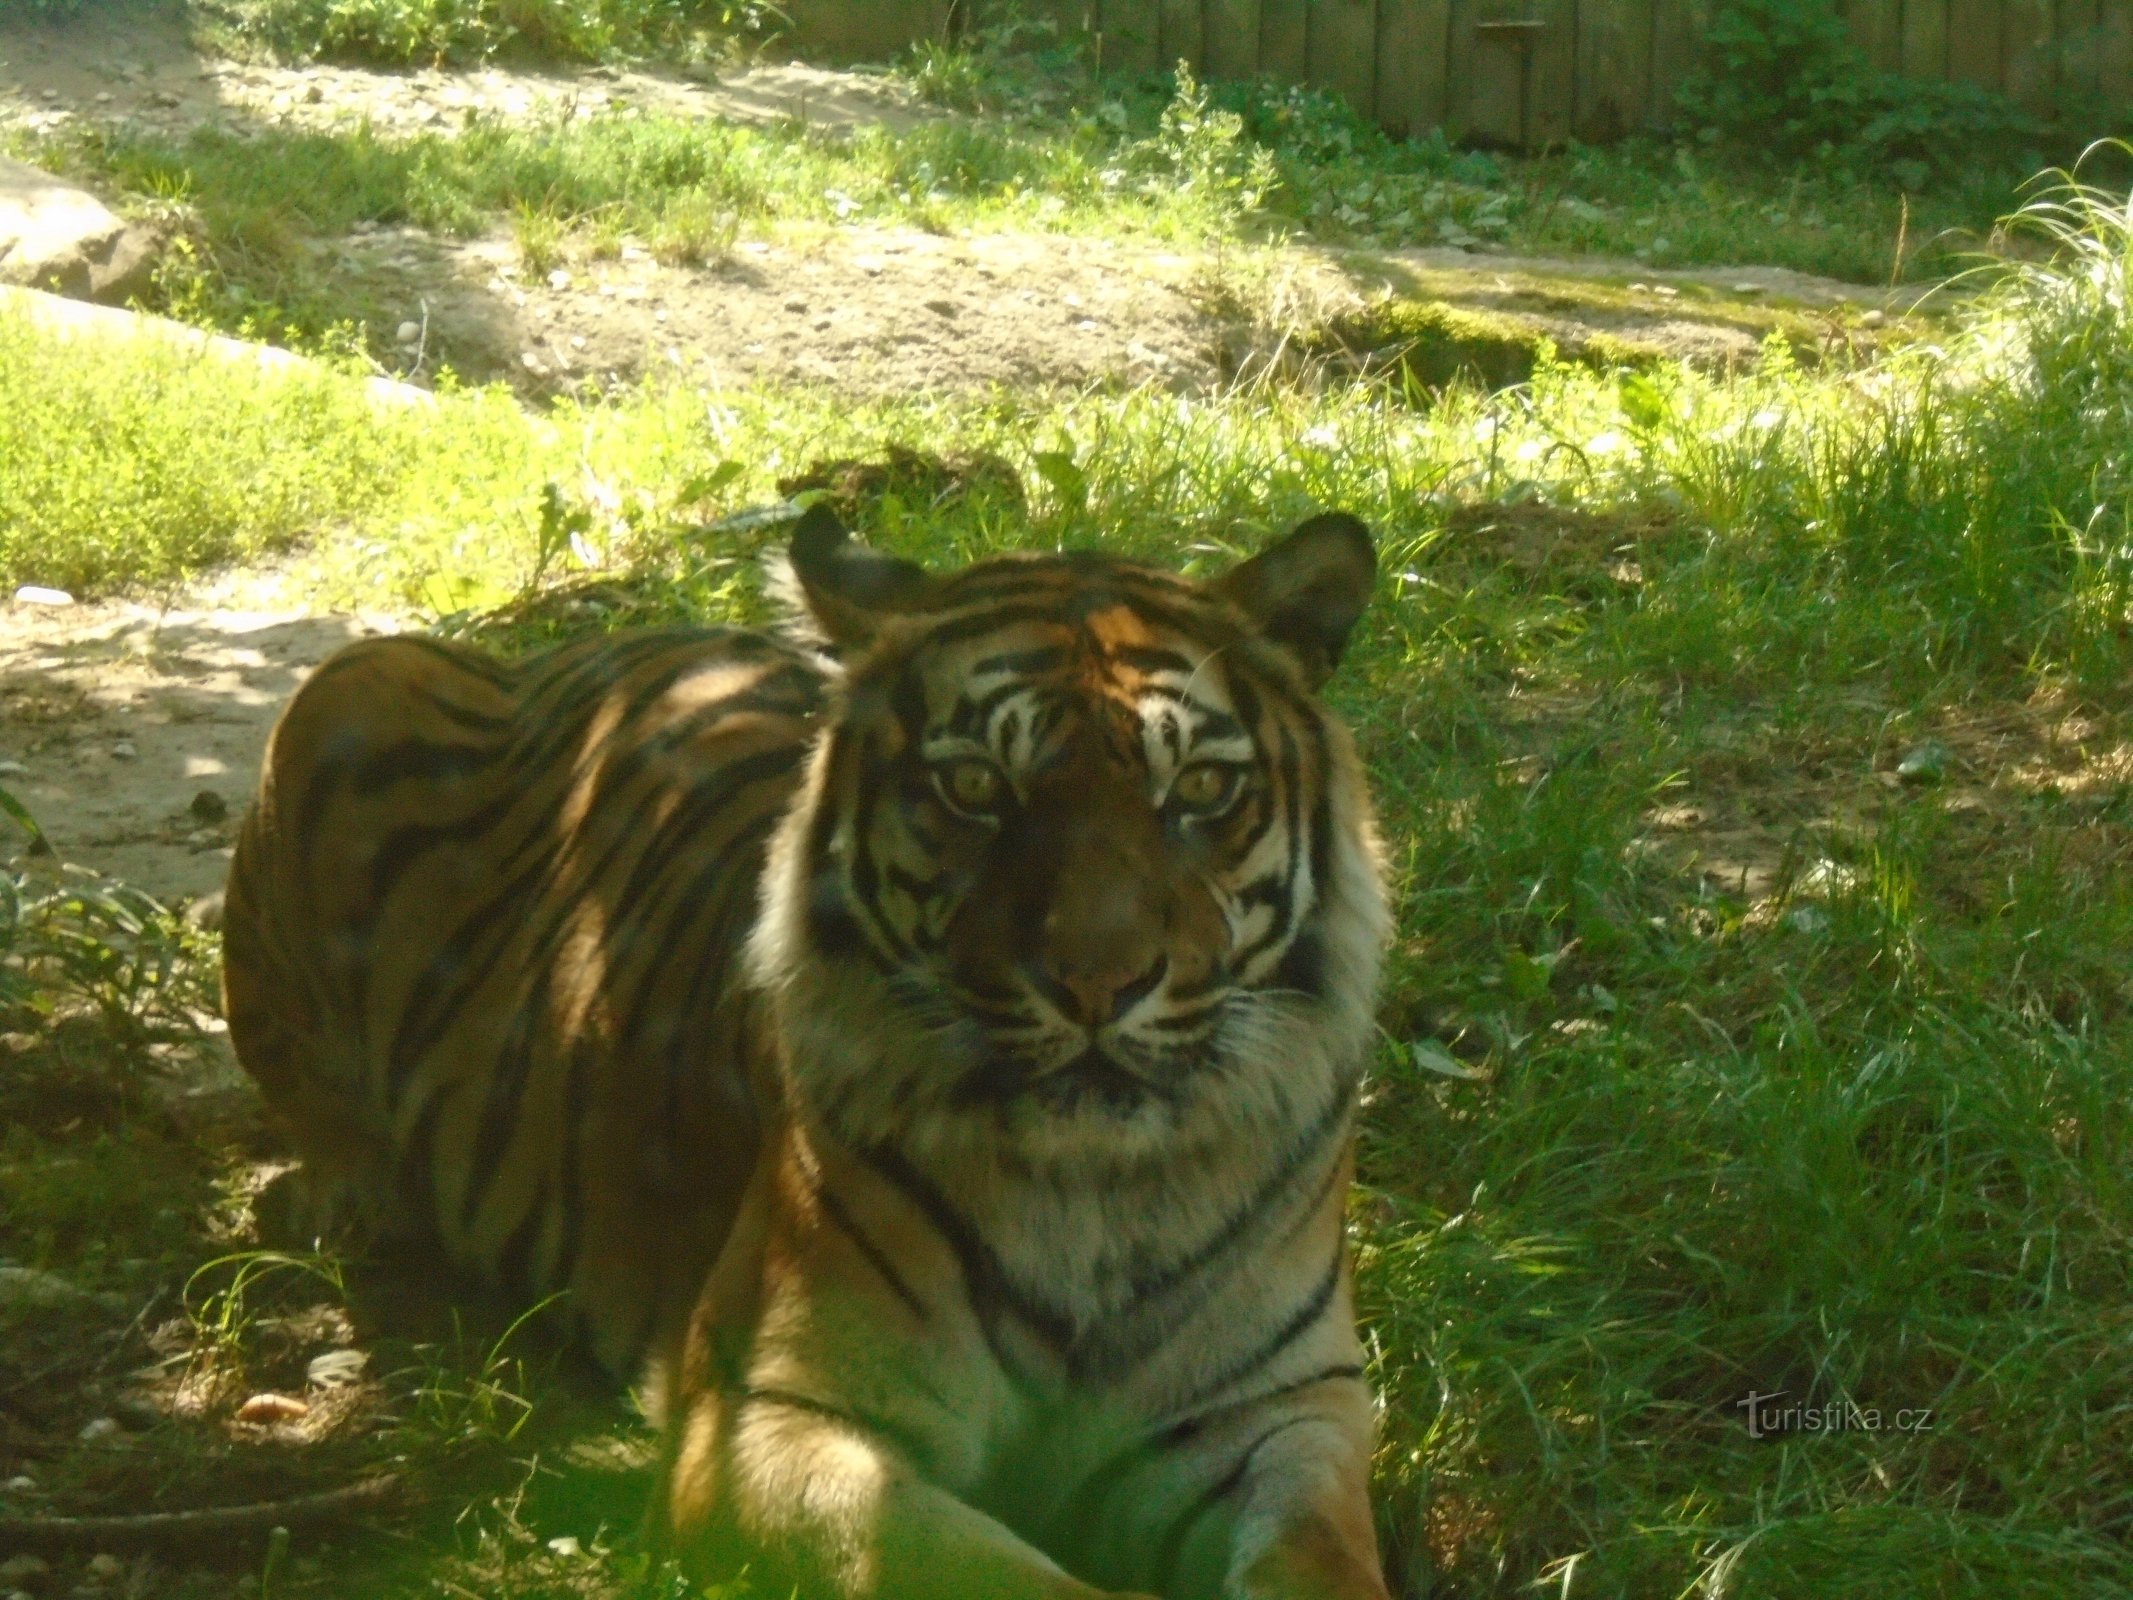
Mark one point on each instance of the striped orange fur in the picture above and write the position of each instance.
(930, 1053)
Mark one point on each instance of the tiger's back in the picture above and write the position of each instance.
(483, 948)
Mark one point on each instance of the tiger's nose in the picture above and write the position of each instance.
(1093, 994)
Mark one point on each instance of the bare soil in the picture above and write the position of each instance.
(134, 735)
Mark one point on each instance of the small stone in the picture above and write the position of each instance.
(796, 304)
(104, 97)
(97, 1430)
(942, 308)
(558, 279)
(202, 839)
(208, 806)
(105, 1567)
(1748, 288)
(531, 360)
(408, 333)
(21, 1483)
(566, 1546)
(123, 750)
(337, 1369)
(31, 594)
(1925, 763)
(313, 94)
(13, 769)
(269, 1408)
(1872, 319)
(23, 1569)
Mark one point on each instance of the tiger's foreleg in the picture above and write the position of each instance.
(826, 1507)
(1305, 1530)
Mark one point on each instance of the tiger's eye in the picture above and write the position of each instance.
(1202, 787)
(973, 785)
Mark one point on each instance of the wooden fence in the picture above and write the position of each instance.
(1528, 72)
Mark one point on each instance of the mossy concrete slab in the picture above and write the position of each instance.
(1439, 315)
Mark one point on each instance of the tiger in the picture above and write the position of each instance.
(923, 1045)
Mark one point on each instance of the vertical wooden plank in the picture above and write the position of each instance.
(1181, 37)
(2026, 47)
(1513, 71)
(1614, 55)
(1342, 50)
(873, 29)
(1877, 26)
(2079, 36)
(1974, 42)
(1481, 79)
(1925, 38)
(1677, 47)
(1284, 48)
(2114, 52)
(1412, 42)
(1131, 35)
(1552, 84)
(1232, 38)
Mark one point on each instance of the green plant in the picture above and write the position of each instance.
(223, 1316)
(396, 31)
(1784, 77)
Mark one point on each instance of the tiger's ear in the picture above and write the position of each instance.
(847, 588)
(1306, 592)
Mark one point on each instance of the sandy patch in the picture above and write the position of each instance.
(134, 735)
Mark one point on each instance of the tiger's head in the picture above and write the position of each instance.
(1081, 868)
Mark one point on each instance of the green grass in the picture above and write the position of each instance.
(1720, 1057)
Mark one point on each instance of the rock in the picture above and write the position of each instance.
(105, 1567)
(558, 279)
(209, 807)
(18, 1570)
(942, 308)
(337, 1369)
(99, 1429)
(54, 236)
(31, 594)
(408, 333)
(13, 769)
(20, 1483)
(267, 1408)
(566, 1546)
(1872, 319)
(124, 750)
(27, 1289)
(1925, 763)
(206, 912)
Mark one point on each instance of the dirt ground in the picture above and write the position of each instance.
(134, 735)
